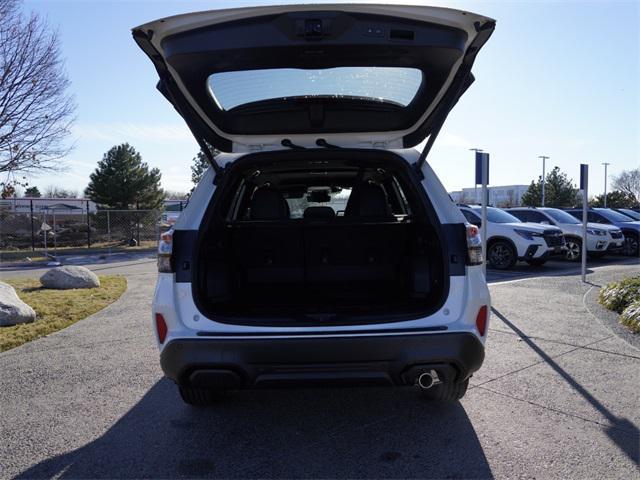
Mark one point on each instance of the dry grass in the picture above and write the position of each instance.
(57, 309)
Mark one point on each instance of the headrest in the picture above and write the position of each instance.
(368, 200)
(267, 203)
(319, 213)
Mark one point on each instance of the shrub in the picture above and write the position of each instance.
(631, 316)
(619, 295)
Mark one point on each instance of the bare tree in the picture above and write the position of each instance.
(175, 195)
(628, 182)
(57, 192)
(35, 109)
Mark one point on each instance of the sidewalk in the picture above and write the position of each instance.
(571, 384)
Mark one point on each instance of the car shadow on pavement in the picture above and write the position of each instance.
(622, 432)
(329, 433)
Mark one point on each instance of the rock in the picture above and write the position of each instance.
(12, 309)
(64, 278)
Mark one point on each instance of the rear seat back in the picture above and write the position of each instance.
(364, 246)
(346, 252)
(268, 253)
(301, 251)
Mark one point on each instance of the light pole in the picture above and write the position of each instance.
(606, 164)
(475, 185)
(544, 159)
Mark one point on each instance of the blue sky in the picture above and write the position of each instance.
(557, 78)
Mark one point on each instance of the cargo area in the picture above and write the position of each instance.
(329, 237)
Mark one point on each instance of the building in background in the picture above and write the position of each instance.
(499, 196)
(67, 206)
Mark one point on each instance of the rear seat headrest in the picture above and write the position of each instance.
(267, 203)
(368, 200)
(316, 213)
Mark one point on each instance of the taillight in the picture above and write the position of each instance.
(474, 246)
(481, 320)
(161, 327)
(165, 248)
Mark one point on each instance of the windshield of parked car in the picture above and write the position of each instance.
(630, 213)
(561, 216)
(613, 216)
(384, 84)
(496, 215)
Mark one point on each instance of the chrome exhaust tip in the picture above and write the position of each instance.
(428, 379)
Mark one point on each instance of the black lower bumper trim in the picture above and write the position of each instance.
(269, 362)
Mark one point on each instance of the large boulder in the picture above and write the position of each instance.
(64, 278)
(12, 309)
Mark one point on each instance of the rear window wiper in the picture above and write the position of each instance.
(289, 144)
(321, 142)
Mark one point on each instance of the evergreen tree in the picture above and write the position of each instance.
(200, 166)
(615, 199)
(122, 180)
(32, 192)
(559, 191)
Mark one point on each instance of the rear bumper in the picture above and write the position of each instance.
(270, 362)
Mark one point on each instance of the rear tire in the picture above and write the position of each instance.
(501, 255)
(199, 397)
(447, 391)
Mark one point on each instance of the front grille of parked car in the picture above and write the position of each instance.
(616, 235)
(553, 238)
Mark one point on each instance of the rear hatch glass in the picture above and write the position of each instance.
(383, 84)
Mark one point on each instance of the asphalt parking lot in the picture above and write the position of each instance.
(557, 397)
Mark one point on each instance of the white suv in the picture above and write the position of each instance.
(320, 248)
(510, 240)
(599, 237)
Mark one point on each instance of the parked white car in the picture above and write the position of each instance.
(599, 237)
(319, 105)
(510, 240)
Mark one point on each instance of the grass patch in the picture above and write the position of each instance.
(57, 309)
(623, 297)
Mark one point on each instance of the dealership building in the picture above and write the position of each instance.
(499, 196)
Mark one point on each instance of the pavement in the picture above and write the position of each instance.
(557, 397)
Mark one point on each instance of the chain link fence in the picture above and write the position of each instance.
(66, 227)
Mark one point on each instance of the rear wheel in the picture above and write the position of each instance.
(501, 255)
(200, 397)
(574, 249)
(447, 391)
